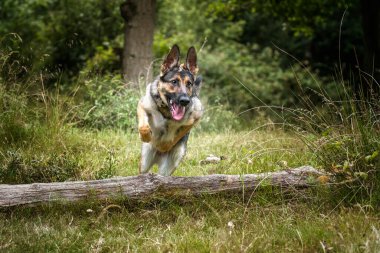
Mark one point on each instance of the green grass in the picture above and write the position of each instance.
(206, 224)
(267, 221)
(43, 139)
(102, 154)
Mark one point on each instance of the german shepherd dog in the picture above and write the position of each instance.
(168, 111)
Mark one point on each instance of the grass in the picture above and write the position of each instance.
(102, 154)
(269, 221)
(206, 224)
(41, 141)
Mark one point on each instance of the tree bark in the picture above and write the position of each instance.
(151, 185)
(370, 12)
(139, 19)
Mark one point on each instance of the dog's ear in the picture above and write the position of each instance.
(197, 86)
(171, 60)
(191, 61)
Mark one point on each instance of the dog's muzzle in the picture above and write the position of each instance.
(178, 106)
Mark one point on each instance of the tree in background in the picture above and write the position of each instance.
(139, 19)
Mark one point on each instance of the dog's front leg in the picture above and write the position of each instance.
(143, 124)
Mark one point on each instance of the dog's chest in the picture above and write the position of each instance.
(163, 130)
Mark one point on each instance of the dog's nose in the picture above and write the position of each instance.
(184, 100)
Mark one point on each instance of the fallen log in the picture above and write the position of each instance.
(150, 185)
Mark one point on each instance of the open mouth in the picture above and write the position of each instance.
(177, 111)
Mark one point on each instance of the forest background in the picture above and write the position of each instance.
(286, 84)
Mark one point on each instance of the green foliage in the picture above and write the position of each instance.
(240, 70)
(235, 39)
(315, 31)
(39, 143)
(31, 131)
(306, 17)
(246, 82)
(109, 166)
(59, 35)
(56, 167)
(13, 126)
(108, 104)
(218, 117)
(103, 62)
(11, 61)
(345, 137)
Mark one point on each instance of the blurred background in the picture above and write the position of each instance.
(273, 49)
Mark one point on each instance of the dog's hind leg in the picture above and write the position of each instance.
(148, 157)
(169, 161)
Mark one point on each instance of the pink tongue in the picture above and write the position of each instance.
(178, 111)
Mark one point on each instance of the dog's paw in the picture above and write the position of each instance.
(145, 133)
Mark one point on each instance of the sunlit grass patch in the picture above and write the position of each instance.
(244, 152)
(93, 154)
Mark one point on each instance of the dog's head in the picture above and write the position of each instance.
(178, 82)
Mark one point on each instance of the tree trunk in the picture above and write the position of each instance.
(152, 185)
(139, 17)
(370, 12)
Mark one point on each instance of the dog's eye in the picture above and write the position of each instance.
(174, 82)
(188, 84)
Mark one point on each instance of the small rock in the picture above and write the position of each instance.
(231, 227)
(212, 159)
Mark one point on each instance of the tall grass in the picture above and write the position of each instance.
(33, 134)
(39, 136)
(345, 137)
(343, 133)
